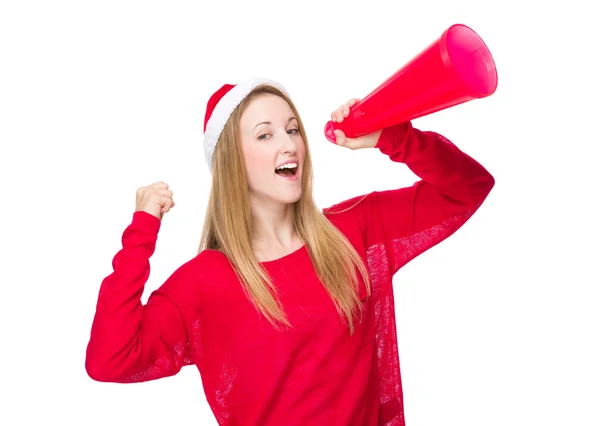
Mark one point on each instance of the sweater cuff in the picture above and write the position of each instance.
(392, 135)
(146, 221)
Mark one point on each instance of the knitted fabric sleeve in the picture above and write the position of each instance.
(129, 341)
(408, 221)
(399, 224)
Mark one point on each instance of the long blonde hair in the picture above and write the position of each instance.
(227, 228)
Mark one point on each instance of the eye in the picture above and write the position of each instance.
(294, 131)
(263, 136)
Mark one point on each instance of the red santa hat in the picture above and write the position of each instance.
(220, 106)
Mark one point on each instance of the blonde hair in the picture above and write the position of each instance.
(227, 228)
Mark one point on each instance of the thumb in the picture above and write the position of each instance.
(342, 140)
(340, 137)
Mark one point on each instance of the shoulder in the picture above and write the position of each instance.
(207, 267)
(195, 277)
(351, 216)
(208, 258)
(348, 207)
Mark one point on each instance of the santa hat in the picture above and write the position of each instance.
(220, 106)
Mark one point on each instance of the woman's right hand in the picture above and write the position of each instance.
(155, 199)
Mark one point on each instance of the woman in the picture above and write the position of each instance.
(287, 311)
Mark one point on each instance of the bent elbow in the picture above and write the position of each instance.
(100, 371)
(484, 187)
(490, 181)
(94, 372)
(479, 189)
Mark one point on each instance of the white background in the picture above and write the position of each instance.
(498, 325)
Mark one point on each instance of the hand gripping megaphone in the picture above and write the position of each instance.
(455, 68)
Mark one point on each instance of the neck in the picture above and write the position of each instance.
(273, 226)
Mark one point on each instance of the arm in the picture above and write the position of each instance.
(408, 221)
(131, 342)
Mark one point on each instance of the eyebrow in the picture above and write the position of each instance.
(268, 122)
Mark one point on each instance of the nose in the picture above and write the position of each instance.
(287, 143)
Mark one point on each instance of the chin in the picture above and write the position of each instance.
(290, 198)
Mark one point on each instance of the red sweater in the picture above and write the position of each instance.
(314, 374)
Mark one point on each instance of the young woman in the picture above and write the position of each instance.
(287, 310)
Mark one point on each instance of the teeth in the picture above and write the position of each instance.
(287, 166)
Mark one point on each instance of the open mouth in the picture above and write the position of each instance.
(287, 171)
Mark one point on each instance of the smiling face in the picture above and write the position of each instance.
(270, 137)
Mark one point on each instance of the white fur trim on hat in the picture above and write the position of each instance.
(223, 110)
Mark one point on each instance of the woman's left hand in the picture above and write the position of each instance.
(366, 141)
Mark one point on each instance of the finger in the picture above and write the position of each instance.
(340, 114)
(345, 110)
(340, 137)
(166, 208)
(165, 202)
(160, 185)
(350, 104)
(346, 142)
(334, 116)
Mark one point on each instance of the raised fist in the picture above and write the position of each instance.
(155, 199)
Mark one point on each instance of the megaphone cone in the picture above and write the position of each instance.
(456, 68)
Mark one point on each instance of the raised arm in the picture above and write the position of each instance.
(411, 220)
(399, 224)
(131, 342)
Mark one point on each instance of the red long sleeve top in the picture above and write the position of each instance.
(315, 373)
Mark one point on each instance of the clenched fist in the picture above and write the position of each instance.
(155, 199)
(366, 141)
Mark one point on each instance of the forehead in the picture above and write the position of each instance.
(266, 107)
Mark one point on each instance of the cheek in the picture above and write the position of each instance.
(256, 165)
(301, 149)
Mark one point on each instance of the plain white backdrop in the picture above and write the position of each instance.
(498, 325)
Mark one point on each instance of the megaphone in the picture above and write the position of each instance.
(455, 68)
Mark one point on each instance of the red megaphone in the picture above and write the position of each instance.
(456, 68)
